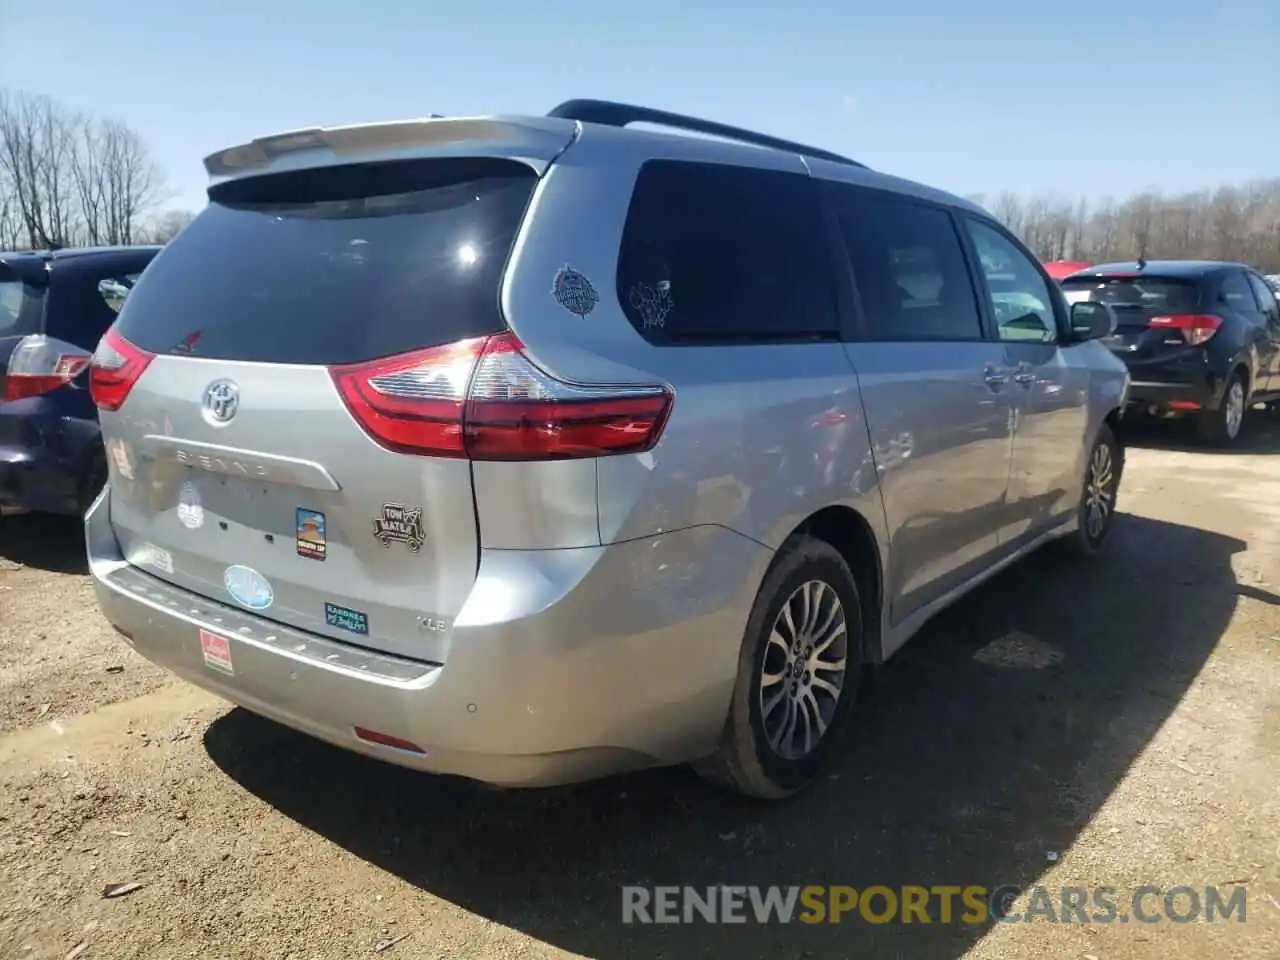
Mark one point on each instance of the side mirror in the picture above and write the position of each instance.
(1092, 321)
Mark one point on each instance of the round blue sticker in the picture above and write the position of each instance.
(248, 587)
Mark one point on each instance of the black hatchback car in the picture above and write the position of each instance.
(1200, 337)
(54, 308)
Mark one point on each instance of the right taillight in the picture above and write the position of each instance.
(114, 369)
(484, 399)
(1196, 328)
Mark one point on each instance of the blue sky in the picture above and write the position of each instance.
(1099, 98)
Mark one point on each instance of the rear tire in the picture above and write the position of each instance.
(1097, 510)
(1221, 427)
(798, 675)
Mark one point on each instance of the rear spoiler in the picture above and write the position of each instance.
(536, 141)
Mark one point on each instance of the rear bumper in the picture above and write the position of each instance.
(1144, 395)
(1185, 382)
(34, 479)
(564, 665)
(44, 457)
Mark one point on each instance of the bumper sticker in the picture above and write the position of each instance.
(344, 618)
(217, 652)
(149, 555)
(190, 507)
(248, 587)
(310, 538)
(400, 524)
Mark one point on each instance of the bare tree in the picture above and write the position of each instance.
(166, 226)
(70, 178)
(37, 145)
(1231, 223)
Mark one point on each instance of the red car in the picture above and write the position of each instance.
(1060, 269)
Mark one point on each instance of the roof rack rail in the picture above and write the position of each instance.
(621, 114)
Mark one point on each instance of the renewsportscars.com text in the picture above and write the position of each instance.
(972, 904)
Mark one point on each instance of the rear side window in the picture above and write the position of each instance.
(1161, 294)
(21, 308)
(1235, 293)
(114, 290)
(913, 279)
(715, 253)
(337, 265)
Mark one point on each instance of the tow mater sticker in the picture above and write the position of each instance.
(400, 524)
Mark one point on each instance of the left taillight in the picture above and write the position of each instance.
(114, 368)
(40, 365)
(1195, 328)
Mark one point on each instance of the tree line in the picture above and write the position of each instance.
(1240, 223)
(70, 178)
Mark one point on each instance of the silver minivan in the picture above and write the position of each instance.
(535, 449)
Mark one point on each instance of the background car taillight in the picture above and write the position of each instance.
(1195, 328)
(114, 369)
(39, 365)
(485, 400)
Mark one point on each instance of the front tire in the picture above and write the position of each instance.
(798, 674)
(1221, 427)
(1097, 510)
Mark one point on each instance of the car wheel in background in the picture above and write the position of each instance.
(1221, 427)
(798, 674)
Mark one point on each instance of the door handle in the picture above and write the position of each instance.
(994, 378)
(1025, 379)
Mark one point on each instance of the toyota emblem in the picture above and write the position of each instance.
(221, 400)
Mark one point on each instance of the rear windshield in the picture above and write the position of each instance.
(1164, 294)
(21, 308)
(336, 265)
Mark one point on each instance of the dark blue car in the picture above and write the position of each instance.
(54, 308)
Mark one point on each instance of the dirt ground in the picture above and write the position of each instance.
(1116, 724)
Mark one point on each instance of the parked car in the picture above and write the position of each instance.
(1199, 337)
(1061, 269)
(54, 308)
(534, 449)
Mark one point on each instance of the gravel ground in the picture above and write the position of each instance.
(1116, 723)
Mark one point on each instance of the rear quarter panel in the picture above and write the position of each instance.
(760, 437)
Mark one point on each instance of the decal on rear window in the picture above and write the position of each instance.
(400, 524)
(574, 292)
(310, 537)
(344, 618)
(652, 301)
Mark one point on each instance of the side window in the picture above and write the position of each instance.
(1019, 297)
(912, 278)
(716, 253)
(114, 289)
(1235, 293)
(1266, 298)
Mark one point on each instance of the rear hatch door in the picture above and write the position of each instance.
(237, 471)
(1136, 298)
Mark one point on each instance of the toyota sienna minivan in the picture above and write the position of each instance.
(536, 449)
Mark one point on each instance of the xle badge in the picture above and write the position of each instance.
(400, 524)
(310, 537)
